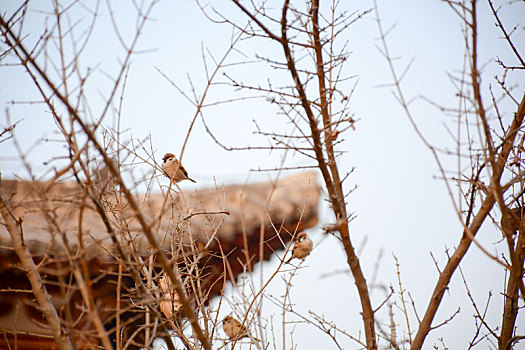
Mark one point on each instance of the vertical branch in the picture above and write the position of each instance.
(496, 161)
(312, 121)
(327, 167)
(339, 205)
(469, 233)
(510, 310)
(475, 80)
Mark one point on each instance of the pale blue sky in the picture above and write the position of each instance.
(402, 207)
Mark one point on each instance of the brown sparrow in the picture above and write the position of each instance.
(234, 330)
(170, 302)
(303, 246)
(173, 169)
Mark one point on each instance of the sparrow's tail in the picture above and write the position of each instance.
(246, 335)
(287, 262)
(189, 178)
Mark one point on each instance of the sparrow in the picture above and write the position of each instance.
(170, 302)
(173, 169)
(303, 246)
(234, 330)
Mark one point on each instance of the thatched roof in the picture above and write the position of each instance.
(225, 222)
(249, 207)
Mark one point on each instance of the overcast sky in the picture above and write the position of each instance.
(401, 205)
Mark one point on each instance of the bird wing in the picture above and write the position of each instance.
(183, 170)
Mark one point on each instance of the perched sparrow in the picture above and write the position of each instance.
(302, 247)
(170, 302)
(173, 169)
(234, 330)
